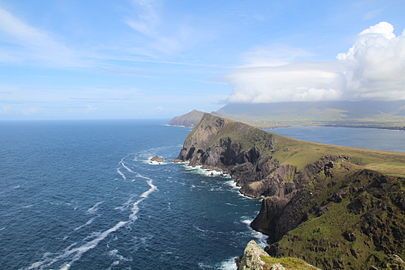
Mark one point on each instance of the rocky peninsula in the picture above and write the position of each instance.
(334, 207)
(189, 119)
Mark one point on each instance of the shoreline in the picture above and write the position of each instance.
(371, 126)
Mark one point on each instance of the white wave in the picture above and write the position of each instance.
(142, 176)
(77, 252)
(261, 238)
(92, 210)
(2, 228)
(246, 221)
(85, 224)
(236, 188)
(229, 264)
(232, 184)
(121, 174)
(114, 253)
(126, 167)
(198, 169)
(125, 205)
(153, 162)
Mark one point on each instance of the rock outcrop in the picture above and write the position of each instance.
(255, 258)
(320, 203)
(157, 159)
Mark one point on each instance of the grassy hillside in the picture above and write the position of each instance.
(189, 119)
(301, 153)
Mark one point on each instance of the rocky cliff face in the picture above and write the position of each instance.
(319, 203)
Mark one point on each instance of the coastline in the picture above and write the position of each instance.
(302, 185)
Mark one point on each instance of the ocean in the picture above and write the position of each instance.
(84, 195)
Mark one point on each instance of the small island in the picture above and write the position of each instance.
(157, 159)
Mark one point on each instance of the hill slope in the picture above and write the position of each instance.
(189, 119)
(335, 207)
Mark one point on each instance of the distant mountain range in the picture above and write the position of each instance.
(379, 114)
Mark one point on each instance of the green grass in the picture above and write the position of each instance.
(290, 263)
(301, 153)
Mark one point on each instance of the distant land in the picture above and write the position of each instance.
(334, 207)
(375, 114)
(189, 119)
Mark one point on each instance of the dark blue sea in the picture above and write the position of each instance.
(83, 195)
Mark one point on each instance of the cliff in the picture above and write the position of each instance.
(189, 119)
(335, 207)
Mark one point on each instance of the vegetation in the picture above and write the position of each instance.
(289, 263)
(300, 153)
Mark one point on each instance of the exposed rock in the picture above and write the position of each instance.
(251, 259)
(349, 236)
(255, 258)
(157, 159)
(277, 266)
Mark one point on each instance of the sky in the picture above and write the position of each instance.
(131, 59)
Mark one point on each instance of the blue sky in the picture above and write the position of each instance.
(126, 59)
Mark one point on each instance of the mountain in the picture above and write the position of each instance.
(382, 114)
(189, 119)
(333, 207)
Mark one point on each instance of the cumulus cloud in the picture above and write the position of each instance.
(373, 68)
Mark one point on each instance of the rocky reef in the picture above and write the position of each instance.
(334, 207)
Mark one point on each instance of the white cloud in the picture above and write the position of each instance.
(292, 82)
(31, 44)
(374, 68)
(160, 36)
